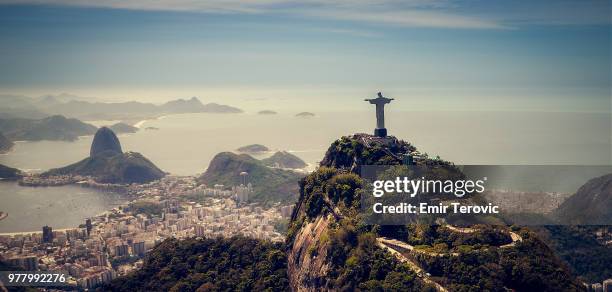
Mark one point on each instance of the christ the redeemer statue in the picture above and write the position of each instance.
(380, 102)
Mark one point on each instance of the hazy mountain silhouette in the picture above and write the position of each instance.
(5, 144)
(50, 128)
(590, 205)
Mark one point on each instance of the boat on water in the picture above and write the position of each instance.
(3, 215)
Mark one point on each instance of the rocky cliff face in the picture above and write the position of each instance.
(105, 141)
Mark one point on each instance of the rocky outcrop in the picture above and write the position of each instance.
(308, 272)
(105, 141)
(108, 164)
(590, 205)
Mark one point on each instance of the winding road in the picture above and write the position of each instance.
(398, 247)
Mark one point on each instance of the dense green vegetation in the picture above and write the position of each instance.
(580, 249)
(431, 235)
(146, 207)
(122, 168)
(470, 261)
(122, 260)
(350, 247)
(529, 266)
(269, 184)
(234, 264)
(346, 151)
(357, 262)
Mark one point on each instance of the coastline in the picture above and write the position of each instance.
(34, 232)
(140, 123)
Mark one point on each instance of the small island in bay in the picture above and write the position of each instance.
(121, 128)
(305, 115)
(284, 159)
(194, 105)
(151, 128)
(267, 112)
(253, 148)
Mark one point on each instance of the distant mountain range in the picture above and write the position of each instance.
(108, 164)
(45, 118)
(83, 108)
(194, 105)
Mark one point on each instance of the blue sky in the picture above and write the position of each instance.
(490, 55)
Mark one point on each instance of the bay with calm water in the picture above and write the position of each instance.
(30, 208)
(184, 145)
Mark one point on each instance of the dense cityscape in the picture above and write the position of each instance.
(113, 243)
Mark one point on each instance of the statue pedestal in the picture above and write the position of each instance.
(381, 132)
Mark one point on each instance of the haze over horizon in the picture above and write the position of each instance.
(430, 55)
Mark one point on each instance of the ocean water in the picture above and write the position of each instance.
(185, 144)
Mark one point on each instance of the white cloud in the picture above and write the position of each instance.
(410, 18)
(403, 13)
